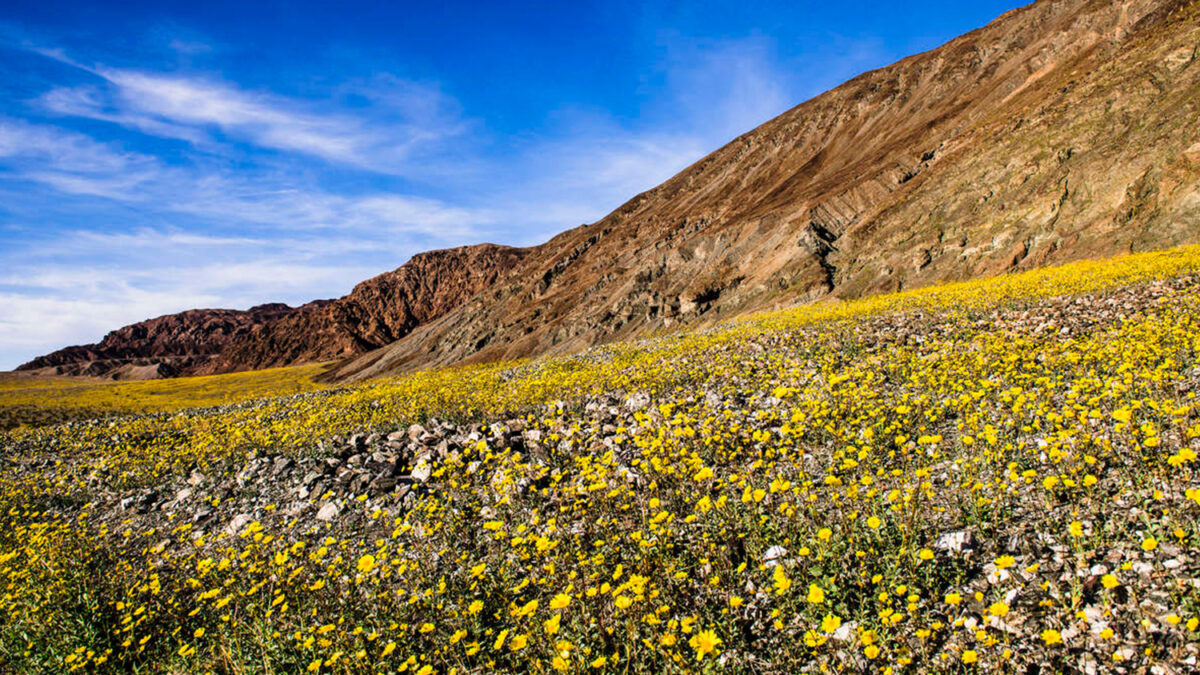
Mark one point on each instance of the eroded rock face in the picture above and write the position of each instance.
(164, 346)
(377, 312)
(1063, 130)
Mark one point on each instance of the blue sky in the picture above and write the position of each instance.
(164, 155)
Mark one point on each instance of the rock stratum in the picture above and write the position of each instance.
(1063, 130)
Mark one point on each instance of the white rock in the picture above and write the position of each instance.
(421, 472)
(239, 521)
(637, 401)
(845, 632)
(328, 512)
(955, 542)
(772, 556)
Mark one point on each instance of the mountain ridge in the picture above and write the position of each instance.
(163, 346)
(1063, 129)
(210, 341)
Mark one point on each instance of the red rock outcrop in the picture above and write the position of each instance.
(161, 347)
(377, 312)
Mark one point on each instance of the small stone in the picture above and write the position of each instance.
(1192, 154)
(382, 484)
(239, 521)
(955, 542)
(421, 472)
(283, 464)
(328, 512)
(637, 401)
(846, 631)
(772, 557)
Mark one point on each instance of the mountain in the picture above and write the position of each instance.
(166, 346)
(1065, 129)
(378, 311)
(205, 341)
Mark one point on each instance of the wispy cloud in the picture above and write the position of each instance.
(588, 162)
(72, 162)
(721, 88)
(92, 102)
(407, 116)
(257, 235)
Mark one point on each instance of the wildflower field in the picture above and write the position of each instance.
(36, 401)
(993, 476)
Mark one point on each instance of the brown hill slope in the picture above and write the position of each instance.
(161, 347)
(377, 312)
(1062, 130)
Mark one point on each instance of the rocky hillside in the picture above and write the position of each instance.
(377, 312)
(1063, 130)
(162, 347)
(206, 341)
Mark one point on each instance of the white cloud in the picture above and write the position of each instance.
(589, 162)
(89, 101)
(189, 47)
(72, 162)
(23, 141)
(405, 117)
(76, 164)
(722, 89)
